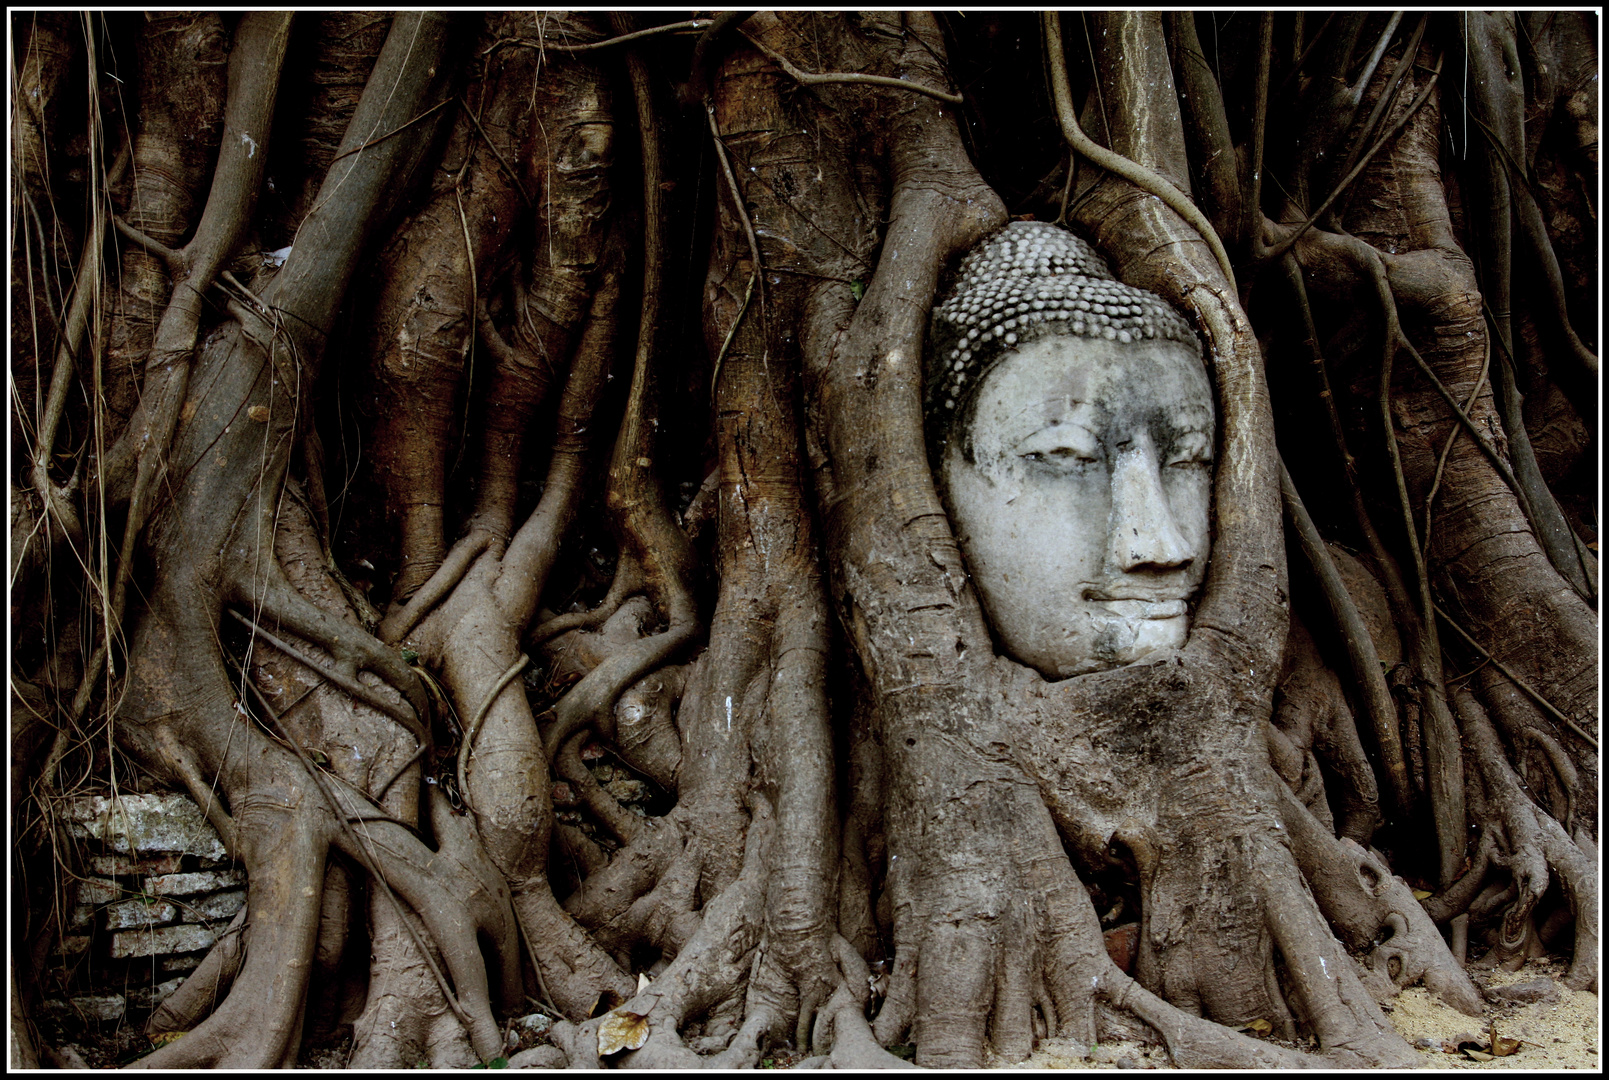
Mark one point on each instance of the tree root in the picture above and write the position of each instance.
(206, 986)
(595, 695)
(284, 854)
(396, 625)
(1531, 846)
(277, 602)
(573, 969)
(1375, 912)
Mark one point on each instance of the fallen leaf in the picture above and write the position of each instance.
(1502, 1047)
(1259, 1028)
(1477, 1055)
(258, 413)
(622, 1030)
(643, 982)
(162, 1038)
(1422, 894)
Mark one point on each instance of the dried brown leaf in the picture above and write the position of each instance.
(622, 1030)
(1502, 1047)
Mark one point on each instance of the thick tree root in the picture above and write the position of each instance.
(1372, 910)
(199, 994)
(258, 1025)
(1531, 844)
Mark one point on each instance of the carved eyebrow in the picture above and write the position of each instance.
(1058, 430)
(1193, 411)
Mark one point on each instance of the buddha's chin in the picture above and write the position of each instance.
(1126, 641)
(1113, 642)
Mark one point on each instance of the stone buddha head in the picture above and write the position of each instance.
(1071, 428)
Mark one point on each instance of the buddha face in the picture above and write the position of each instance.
(1080, 490)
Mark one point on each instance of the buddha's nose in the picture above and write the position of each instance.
(1144, 535)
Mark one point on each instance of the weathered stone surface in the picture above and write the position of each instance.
(125, 866)
(190, 884)
(215, 906)
(100, 1006)
(55, 1009)
(130, 824)
(132, 914)
(149, 997)
(82, 918)
(161, 940)
(179, 963)
(95, 891)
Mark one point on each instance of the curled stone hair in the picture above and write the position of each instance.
(1026, 281)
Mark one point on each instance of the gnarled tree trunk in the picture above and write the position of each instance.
(480, 459)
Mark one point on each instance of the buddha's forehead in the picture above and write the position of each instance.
(1062, 379)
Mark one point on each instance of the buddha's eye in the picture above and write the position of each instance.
(1062, 448)
(1192, 450)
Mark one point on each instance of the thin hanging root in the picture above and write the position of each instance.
(1524, 687)
(364, 854)
(1278, 251)
(1452, 437)
(806, 78)
(349, 646)
(1376, 695)
(74, 330)
(1387, 98)
(1444, 761)
(400, 622)
(205, 796)
(339, 678)
(475, 721)
(1145, 179)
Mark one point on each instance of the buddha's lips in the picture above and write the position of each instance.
(1137, 605)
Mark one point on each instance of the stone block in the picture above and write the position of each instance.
(100, 1006)
(55, 1009)
(133, 914)
(82, 918)
(149, 997)
(169, 824)
(190, 884)
(161, 940)
(125, 866)
(95, 891)
(179, 963)
(215, 906)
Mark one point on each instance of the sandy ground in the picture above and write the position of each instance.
(1564, 1033)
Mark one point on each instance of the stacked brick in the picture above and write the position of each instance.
(155, 890)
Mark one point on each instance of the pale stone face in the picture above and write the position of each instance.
(1084, 510)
